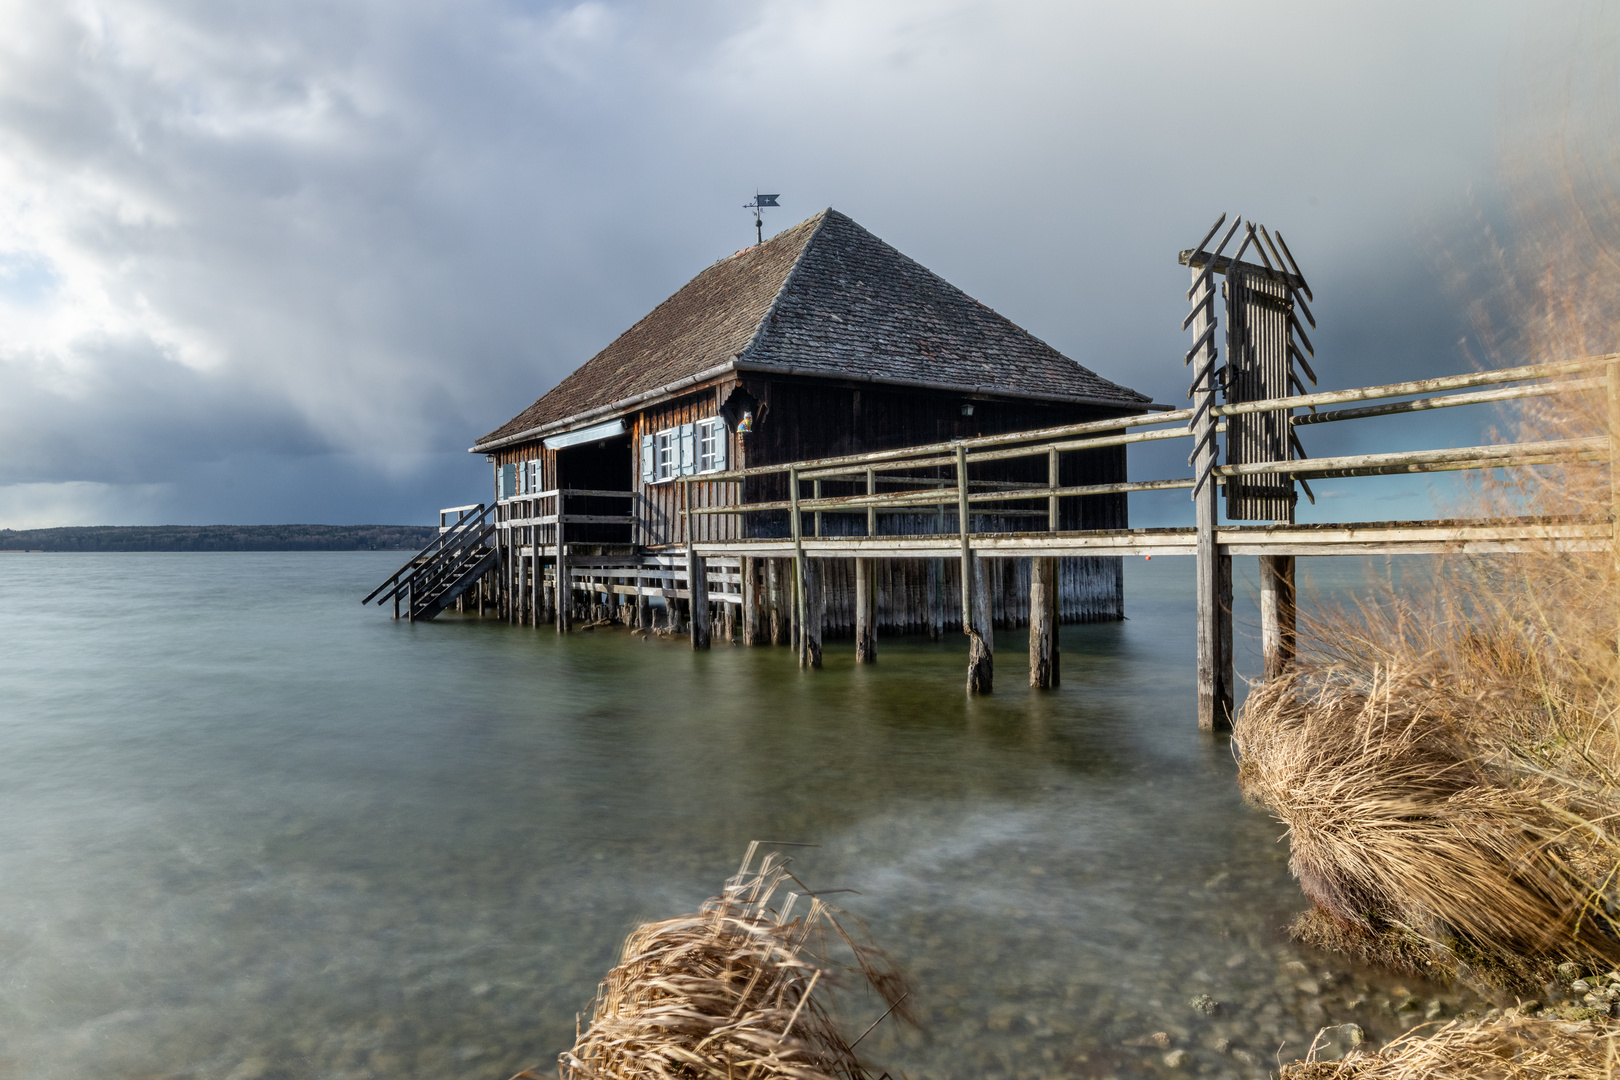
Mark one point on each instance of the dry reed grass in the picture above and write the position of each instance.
(1511, 1047)
(1447, 757)
(730, 992)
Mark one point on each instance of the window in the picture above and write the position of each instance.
(667, 462)
(711, 455)
(683, 451)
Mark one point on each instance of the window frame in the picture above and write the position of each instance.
(666, 449)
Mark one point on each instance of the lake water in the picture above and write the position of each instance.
(249, 829)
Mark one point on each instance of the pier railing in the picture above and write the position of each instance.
(961, 493)
(952, 491)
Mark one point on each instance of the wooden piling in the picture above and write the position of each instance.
(1277, 612)
(975, 592)
(697, 584)
(1043, 623)
(865, 613)
(813, 609)
(564, 587)
(982, 638)
(1214, 572)
(753, 601)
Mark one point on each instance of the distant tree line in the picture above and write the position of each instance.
(219, 538)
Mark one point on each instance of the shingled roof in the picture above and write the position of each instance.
(824, 298)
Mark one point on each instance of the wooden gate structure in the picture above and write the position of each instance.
(515, 555)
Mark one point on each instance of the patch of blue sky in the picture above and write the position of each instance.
(27, 279)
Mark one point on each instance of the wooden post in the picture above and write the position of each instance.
(801, 584)
(1052, 523)
(775, 603)
(1277, 612)
(1214, 571)
(1043, 622)
(697, 578)
(871, 511)
(526, 609)
(810, 634)
(396, 602)
(753, 601)
(984, 624)
(936, 599)
(564, 587)
(865, 613)
(975, 625)
(697, 584)
(815, 493)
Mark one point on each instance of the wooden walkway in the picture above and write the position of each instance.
(524, 562)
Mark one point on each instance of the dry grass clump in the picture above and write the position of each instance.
(729, 992)
(1512, 1047)
(1446, 756)
(1448, 793)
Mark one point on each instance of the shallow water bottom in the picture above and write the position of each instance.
(249, 829)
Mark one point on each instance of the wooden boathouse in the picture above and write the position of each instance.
(819, 435)
(822, 341)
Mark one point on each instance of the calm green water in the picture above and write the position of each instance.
(250, 829)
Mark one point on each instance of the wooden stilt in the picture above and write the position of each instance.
(936, 599)
(697, 579)
(813, 608)
(975, 592)
(1043, 623)
(564, 587)
(1277, 612)
(776, 602)
(753, 601)
(697, 583)
(865, 613)
(982, 641)
(523, 588)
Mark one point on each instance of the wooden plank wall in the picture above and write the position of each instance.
(661, 511)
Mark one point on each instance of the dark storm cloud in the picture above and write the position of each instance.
(326, 246)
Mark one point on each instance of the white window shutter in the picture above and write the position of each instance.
(721, 438)
(649, 464)
(688, 449)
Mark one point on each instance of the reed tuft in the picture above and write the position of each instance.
(1509, 1047)
(730, 992)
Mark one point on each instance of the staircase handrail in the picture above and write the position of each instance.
(468, 518)
(448, 565)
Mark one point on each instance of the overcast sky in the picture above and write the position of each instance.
(284, 262)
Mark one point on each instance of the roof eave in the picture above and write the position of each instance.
(991, 390)
(603, 412)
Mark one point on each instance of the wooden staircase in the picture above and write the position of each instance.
(446, 568)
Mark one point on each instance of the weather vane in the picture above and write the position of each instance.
(759, 204)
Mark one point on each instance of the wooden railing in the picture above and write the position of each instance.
(961, 491)
(955, 490)
(424, 569)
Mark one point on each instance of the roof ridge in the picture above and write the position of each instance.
(793, 271)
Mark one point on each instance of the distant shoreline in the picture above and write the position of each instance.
(103, 538)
